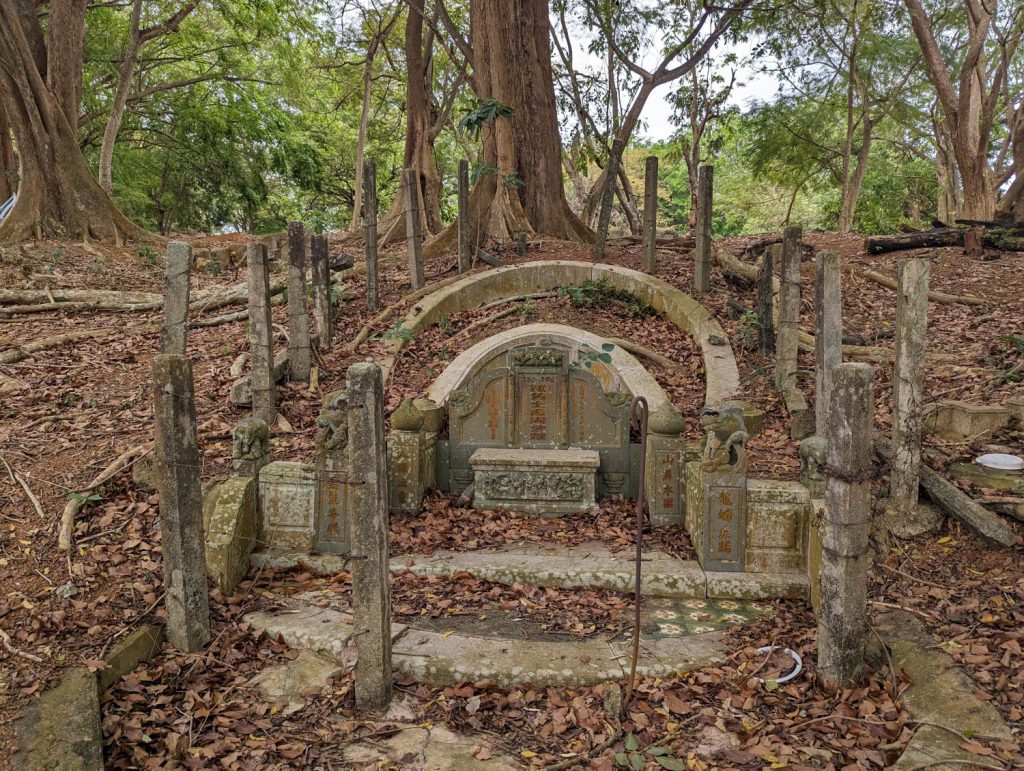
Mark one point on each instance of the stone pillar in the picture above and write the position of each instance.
(333, 506)
(298, 315)
(181, 504)
(663, 485)
(405, 460)
(828, 331)
(906, 516)
(370, 219)
(250, 447)
(174, 333)
(789, 311)
(433, 421)
(607, 193)
(321, 289)
(413, 226)
(723, 487)
(650, 258)
(520, 243)
(261, 339)
(702, 240)
(842, 622)
(371, 588)
(465, 245)
(765, 304)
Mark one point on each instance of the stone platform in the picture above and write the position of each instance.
(447, 658)
(589, 565)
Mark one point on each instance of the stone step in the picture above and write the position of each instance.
(447, 658)
(583, 566)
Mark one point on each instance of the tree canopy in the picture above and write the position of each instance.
(213, 115)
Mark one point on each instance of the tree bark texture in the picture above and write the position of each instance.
(57, 192)
(64, 56)
(512, 64)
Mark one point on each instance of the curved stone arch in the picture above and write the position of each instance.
(721, 372)
(624, 373)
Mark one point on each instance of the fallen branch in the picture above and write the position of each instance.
(6, 639)
(121, 462)
(16, 354)
(933, 296)
(78, 307)
(16, 477)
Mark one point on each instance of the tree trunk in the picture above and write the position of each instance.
(57, 192)
(512, 64)
(420, 133)
(66, 31)
(8, 163)
(364, 122)
(856, 180)
(110, 131)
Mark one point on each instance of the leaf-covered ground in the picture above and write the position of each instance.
(78, 406)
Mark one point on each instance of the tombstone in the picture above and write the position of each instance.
(370, 220)
(181, 504)
(722, 520)
(702, 240)
(465, 244)
(905, 515)
(765, 303)
(650, 258)
(413, 226)
(842, 622)
(333, 504)
(298, 315)
(371, 589)
(538, 396)
(174, 332)
(261, 340)
(405, 459)
(321, 289)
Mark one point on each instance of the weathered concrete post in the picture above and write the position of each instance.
(520, 243)
(789, 310)
(371, 589)
(702, 240)
(321, 289)
(765, 304)
(828, 331)
(181, 504)
(650, 213)
(907, 517)
(333, 499)
(607, 193)
(413, 226)
(298, 315)
(174, 333)
(842, 621)
(370, 220)
(261, 340)
(465, 247)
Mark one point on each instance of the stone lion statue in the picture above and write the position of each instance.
(725, 443)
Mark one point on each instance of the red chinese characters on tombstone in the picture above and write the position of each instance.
(538, 413)
(668, 486)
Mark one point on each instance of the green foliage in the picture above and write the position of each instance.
(485, 111)
(602, 294)
(586, 356)
(636, 759)
(399, 332)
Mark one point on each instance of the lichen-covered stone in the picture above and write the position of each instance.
(61, 730)
(231, 532)
(286, 506)
(777, 516)
(547, 482)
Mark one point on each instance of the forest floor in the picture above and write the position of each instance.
(65, 413)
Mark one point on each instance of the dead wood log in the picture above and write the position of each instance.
(995, 236)
(18, 353)
(635, 348)
(933, 296)
(98, 296)
(952, 500)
